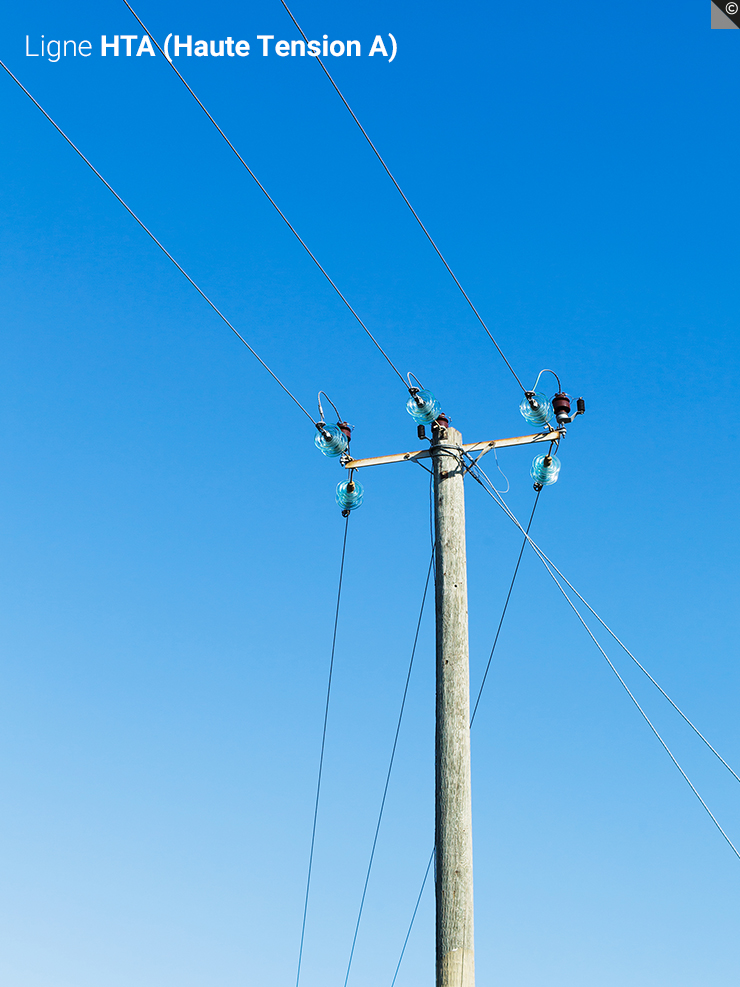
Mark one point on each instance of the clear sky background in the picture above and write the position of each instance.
(168, 534)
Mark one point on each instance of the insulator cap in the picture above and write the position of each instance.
(535, 408)
(331, 440)
(346, 429)
(561, 406)
(423, 407)
(545, 469)
(443, 421)
(349, 495)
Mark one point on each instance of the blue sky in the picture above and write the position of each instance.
(170, 543)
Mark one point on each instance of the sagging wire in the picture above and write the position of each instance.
(267, 195)
(498, 467)
(149, 233)
(323, 749)
(492, 493)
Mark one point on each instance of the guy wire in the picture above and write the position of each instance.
(475, 709)
(149, 233)
(603, 623)
(414, 213)
(323, 748)
(390, 767)
(267, 195)
(506, 604)
(413, 917)
(430, 571)
(613, 668)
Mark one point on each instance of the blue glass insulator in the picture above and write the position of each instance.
(333, 443)
(543, 474)
(423, 407)
(541, 413)
(348, 499)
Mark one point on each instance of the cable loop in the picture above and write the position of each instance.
(545, 371)
(321, 410)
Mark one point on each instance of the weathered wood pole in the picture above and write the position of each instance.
(453, 816)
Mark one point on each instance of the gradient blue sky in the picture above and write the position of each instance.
(168, 534)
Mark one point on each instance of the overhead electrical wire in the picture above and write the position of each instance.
(503, 612)
(390, 768)
(161, 246)
(405, 198)
(642, 668)
(472, 717)
(267, 195)
(495, 496)
(323, 749)
(430, 571)
(413, 917)
(547, 562)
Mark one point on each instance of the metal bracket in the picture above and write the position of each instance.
(402, 457)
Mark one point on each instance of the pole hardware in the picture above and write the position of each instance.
(455, 954)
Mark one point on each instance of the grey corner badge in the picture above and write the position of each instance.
(725, 15)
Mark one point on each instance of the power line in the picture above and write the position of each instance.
(413, 917)
(472, 718)
(590, 633)
(323, 748)
(149, 233)
(400, 191)
(503, 613)
(642, 668)
(390, 767)
(491, 490)
(267, 195)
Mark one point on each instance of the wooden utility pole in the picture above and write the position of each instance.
(453, 818)
(453, 814)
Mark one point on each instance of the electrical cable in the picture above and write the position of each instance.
(149, 233)
(472, 718)
(547, 562)
(413, 917)
(267, 195)
(613, 668)
(323, 748)
(503, 612)
(430, 571)
(390, 767)
(642, 712)
(603, 623)
(414, 213)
